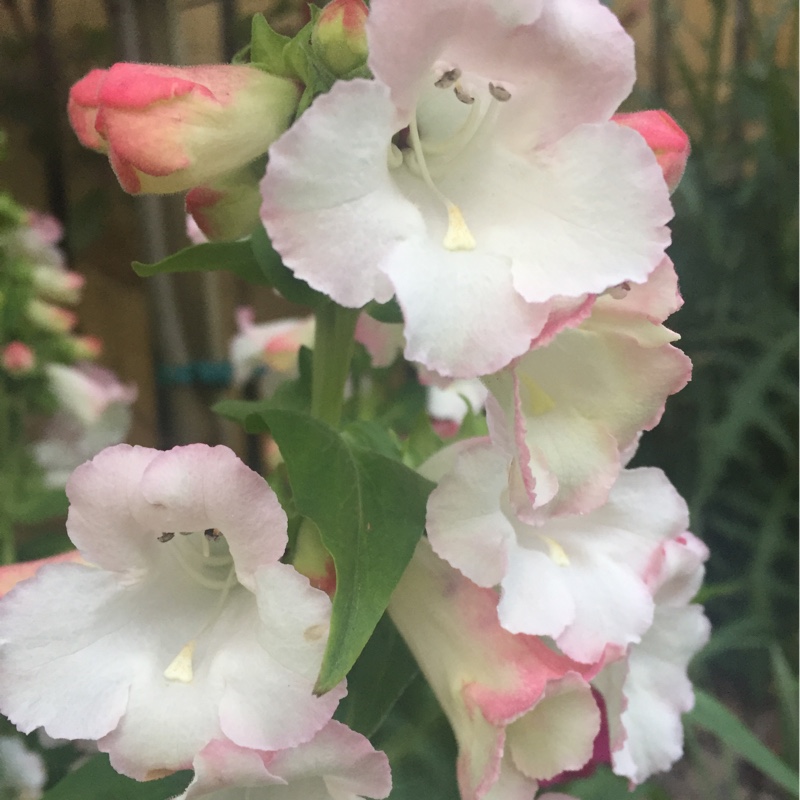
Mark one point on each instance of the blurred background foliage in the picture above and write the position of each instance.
(727, 71)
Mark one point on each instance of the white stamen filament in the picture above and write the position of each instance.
(458, 140)
(394, 157)
(211, 561)
(181, 667)
(458, 236)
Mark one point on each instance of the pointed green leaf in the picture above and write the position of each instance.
(370, 511)
(96, 780)
(710, 714)
(235, 257)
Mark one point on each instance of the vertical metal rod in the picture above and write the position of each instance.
(54, 101)
(228, 14)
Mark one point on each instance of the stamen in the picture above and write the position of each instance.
(458, 140)
(212, 533)
(448, 78)
(557, 552)
(211, 561)
(463, 95)
(458, 236)
(166, 536)
(499, 92)
(180, 669)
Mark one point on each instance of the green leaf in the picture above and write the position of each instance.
(372, 436)
(96, 780)
(279, 275)
(235, 257)
(710, 714)
(370, 511)
(418, 740)
(379, 677)
(786, 690)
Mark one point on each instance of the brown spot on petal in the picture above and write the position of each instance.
(166, 536)
(314, 632)
(157, 774)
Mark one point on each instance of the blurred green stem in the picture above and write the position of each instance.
(333, 351)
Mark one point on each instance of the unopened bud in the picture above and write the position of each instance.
(51, 318)
(339, 37)
(85, 348)
(17, 358)
(60, 285)
(664, 137)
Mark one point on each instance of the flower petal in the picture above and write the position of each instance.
(329, 173)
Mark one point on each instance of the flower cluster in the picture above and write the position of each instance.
(58, 408)
(465, 160)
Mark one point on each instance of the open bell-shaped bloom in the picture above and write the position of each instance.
(480, 181)
(647, 691)
(520, 711)
(183, 629)
(337, 764)
(579, 579)
(572, 409)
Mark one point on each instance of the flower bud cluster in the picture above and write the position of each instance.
(43, 360)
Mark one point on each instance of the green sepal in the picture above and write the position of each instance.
(96, 780)
(268, 48)
(385, 312)
(370, 511)
(277, 274)
(236, 257)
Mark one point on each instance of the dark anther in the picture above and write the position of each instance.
(448, 78)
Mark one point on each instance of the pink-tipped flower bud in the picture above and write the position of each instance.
(339, 37)
(227, 209)
(51, 318)
(167, 129)
(18, 358)
(664, 137)
(85, 348)
(59, 285)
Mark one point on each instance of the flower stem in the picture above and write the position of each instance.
(333, 351)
